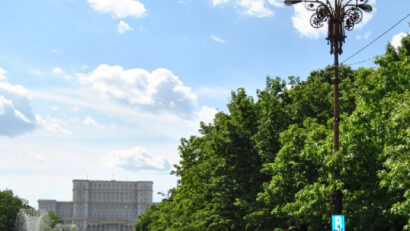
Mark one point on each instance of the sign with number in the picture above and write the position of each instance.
(338, 223)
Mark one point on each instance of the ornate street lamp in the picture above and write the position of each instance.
(340, 15)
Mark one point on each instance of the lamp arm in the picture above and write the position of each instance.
(357, 2)
(348, 2)
(327, 5)
(317, 1)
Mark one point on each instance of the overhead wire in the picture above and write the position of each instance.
(377, 38)
(362, 61)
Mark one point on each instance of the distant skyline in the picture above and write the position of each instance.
(105, 89)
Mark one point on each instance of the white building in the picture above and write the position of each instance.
(103, 205)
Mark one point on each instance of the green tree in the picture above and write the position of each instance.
(10, 206)
(54, 219)
(268, 164)
(297, 193)
(373, 159)
(376, 146)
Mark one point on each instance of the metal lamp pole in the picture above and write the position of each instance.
(341, 15)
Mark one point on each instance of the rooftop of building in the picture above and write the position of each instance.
(110, 181)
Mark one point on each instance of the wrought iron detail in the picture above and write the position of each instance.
(343, 14)
(311, 6)
(315, 21)
(352, 16)
(321, 16)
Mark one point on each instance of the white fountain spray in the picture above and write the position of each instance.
(31, 220)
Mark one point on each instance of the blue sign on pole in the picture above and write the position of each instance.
(338, 223)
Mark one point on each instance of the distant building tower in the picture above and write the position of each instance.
(103, 205)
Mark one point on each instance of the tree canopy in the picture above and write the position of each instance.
(54, 219)
(267, 163)
(10, 206)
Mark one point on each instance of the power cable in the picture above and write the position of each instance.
(378, 37)
(363, 61)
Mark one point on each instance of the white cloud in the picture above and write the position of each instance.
(158, 91)
(88, 121)
(218, 2)
(207, 114)
(119, 8)
(277, 3)
(255, 8)
(51, 124)
(301, 21)
(159, 124)
(84, 67)
(2, 74)
(16, 116)
(365, 36)
(74, 108)
(57, 50)
(35, 71)
(217, 39)
(135, 160)
(396, 40)
(367, 16)
(59, 71)
(39, 158)
(54, 108)
(123, 27)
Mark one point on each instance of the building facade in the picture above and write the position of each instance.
(103, 205)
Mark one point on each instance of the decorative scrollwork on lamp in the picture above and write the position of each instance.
(339, 15)
(352, 16)
(311, 6)
(321, 16)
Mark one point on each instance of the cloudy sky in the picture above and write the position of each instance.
(105, 89)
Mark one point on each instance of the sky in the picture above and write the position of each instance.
(105, 89)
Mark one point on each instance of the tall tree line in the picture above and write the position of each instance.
(267, 163)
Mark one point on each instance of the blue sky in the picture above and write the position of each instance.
(105, 89)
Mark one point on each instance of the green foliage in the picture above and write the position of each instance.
(10, 206)
(298, 188)
(54, 219)
(268, 164)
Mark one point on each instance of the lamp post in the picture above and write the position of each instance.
(340, 15)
